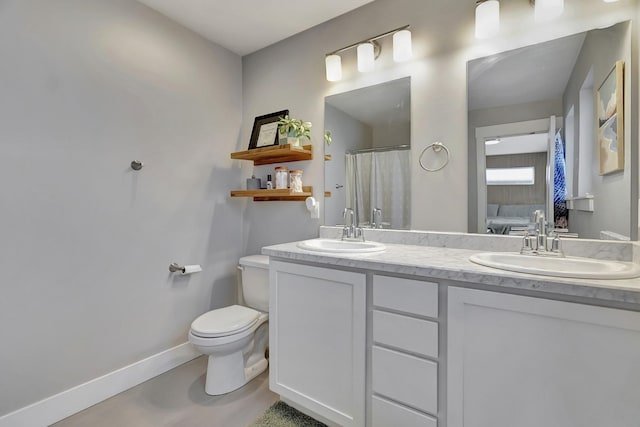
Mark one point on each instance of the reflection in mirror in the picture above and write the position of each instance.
(367, 165)
(533, 139)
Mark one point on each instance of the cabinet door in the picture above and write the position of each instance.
(517, 361)
(317, 322)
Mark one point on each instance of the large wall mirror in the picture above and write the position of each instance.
(368, 164)
(535, 127)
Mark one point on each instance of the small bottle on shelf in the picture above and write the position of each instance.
(269, 183)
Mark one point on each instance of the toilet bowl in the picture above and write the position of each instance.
(236, 337)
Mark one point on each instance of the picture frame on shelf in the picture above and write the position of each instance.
(610, 109)
(265, 130)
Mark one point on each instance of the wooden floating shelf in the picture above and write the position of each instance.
(274, 195)
(275, 154)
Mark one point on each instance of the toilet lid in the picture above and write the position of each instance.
(224, 321)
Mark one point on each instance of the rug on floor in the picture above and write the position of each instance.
(283, 415)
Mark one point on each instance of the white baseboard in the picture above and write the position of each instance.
(62, 405)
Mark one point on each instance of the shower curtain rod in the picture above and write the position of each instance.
(380, 149)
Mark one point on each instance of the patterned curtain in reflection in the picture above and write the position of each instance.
(560, 213)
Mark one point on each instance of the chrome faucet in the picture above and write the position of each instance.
(539, 246)
(541, 231)
(376, 218)
(350, 230)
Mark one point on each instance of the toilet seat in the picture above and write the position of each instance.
(224, 321)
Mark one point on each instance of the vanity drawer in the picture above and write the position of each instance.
(385, 414)
(406, 379)
(406, 333)
(407, 295)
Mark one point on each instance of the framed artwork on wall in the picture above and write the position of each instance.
(265, 130)
(610, 110)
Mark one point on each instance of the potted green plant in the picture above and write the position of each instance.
(291, 130)
(327, 137)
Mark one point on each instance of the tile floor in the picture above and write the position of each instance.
(177, 398)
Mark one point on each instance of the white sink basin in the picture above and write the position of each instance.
(574, 267)
(340, 246)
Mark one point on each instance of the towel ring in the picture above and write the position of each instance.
(436, 147)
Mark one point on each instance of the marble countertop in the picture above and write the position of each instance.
(453, 264)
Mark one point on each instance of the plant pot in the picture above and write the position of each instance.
(293, 141)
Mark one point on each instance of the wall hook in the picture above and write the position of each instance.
(136, 165)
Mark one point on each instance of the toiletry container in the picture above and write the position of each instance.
(253, 183)
(295, 179)
(282, 177)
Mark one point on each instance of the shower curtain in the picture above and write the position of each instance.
(380, 180)
(561, 215)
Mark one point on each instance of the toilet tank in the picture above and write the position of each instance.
(255, 281)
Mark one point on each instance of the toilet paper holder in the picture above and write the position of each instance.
(175, 268)
(184, 269)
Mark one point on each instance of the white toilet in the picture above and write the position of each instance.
(236, 337)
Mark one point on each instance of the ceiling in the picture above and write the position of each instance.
(387, 103)
(245, 26)
(532, 73)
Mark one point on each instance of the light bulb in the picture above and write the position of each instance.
(487, 19)
(402, 46)
(333, 64)
(366, 57)
(546, 10)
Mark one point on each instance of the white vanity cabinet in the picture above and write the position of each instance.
(516, 361)
(404, 353)
(317, 340)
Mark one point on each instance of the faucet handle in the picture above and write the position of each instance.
(376, 218)
(526, 244)
(556, 244)
(345, 232)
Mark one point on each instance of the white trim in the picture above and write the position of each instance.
(61, 405)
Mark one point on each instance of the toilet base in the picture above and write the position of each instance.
(229, 372)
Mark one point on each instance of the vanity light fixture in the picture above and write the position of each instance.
(367, 56)
(546, 10)
(492, 141)
(368, 51)
(488, 14)
(402, 46)
(333, 65)
(487, 18)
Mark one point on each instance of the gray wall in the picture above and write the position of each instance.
(87, 86)
(392, 134)
(291, 74)
(612, 193)
(347, 134)
(519, 194)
